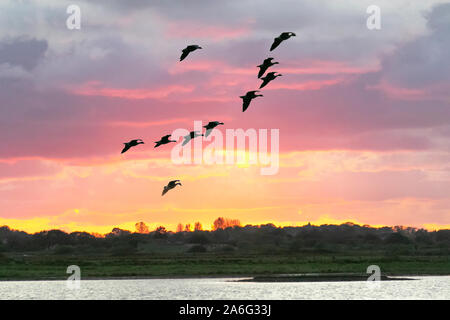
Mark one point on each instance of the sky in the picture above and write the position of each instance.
(363, 115)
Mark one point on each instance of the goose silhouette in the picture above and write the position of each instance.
(172, 184)
(281, 38)
(249, 96)
(130, 144)
(264, 66)
(188, 50)
(164, 140)
(269, 77)
(210, 126)
(190, 136)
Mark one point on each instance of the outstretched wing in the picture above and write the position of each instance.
(276, 43)
(184, 54)
(165, 191)
(127, 146)
(262, 69)
(208, 131)
(186, 140)
(246, 103)
(264, 83)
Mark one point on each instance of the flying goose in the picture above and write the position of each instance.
(172, 184)
(264, 66)
(281, 38)
(188, 50)
(164, 140)
(191, 135)
(269, 77)
(132, 143)
(210, 126)
(248, 98)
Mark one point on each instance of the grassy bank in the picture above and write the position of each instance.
(40, 266)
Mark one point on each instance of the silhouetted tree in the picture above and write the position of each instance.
(223, 223)
(198, 226)
(160, 232)
(141, 227)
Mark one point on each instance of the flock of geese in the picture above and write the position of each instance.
(246, 99)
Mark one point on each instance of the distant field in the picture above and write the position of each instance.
(44, 266)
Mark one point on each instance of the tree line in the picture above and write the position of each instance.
(228, 236)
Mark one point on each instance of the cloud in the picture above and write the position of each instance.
(22, 52)
(421, 67)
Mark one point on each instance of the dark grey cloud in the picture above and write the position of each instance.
(22, 52)
(424, 61)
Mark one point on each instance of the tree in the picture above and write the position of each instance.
(198, 226)
(141, 227)
(179, 228)
(117, 232)
(188, 228)
(223, 223)
(160, 232)
(219, 223)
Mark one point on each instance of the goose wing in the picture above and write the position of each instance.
(127, 146)
(208, 131)
(276, 43)
(262, 69)
(184, 54)
(266, 80)
(245, 103)
(186, 140)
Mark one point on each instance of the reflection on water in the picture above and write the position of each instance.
(224, 288)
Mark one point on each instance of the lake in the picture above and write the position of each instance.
(425, 287)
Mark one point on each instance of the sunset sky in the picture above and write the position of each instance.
(363, 115)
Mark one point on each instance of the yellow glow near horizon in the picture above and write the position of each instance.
(41, 224)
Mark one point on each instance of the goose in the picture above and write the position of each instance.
(130, 144)
(269, 77)
(191, 135)
(172, 184)
(249, 96)
(188, 50)
(281, 38)
(211, 125)
(164, 140)
(264, 66)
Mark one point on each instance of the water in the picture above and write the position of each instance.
(429, 287)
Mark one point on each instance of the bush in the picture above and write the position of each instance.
(397, 238)
(227, 248)
(199, 238)
(123, 250)
(63, 249)
(197, 249)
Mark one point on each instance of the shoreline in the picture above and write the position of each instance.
(305, 277)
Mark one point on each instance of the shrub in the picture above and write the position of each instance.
(197, 249)
(63, 249)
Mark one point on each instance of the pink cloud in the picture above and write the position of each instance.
(95, 88)
(303, 86)
(186, 29)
